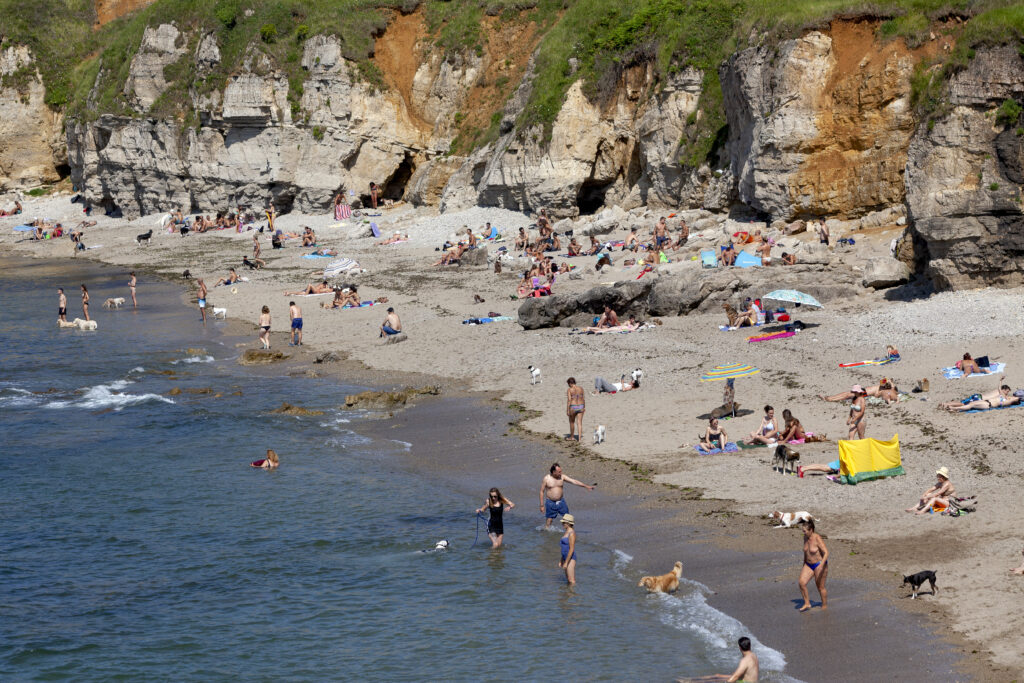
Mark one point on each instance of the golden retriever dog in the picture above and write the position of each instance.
(666, 583)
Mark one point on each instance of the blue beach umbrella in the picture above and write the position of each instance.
(793, 296)
(730, 371)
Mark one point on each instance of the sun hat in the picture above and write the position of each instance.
(857, 389)
(568, 519)
(943, 472)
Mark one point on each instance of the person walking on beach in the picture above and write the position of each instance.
(552, 494)
(568, 547)
(62, 305)
(295, 313)
(202, 299)
(746, 672)
(85, 302)
(815, 566)
(858, 420)
(392, 324)
(576, 405)
(131, 286)
(496, 504)
(265, 327)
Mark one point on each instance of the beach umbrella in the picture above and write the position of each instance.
(731, 371)
(793, 296)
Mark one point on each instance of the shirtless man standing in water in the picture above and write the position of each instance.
(575, 407)
(747, 670)
(552, 502)
(815, 566)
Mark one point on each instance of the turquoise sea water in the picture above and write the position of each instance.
(136, 543)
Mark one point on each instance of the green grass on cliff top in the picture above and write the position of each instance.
(85, 69)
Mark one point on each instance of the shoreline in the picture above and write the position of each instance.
(704, 514)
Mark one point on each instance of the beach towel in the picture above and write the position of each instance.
(745, 260)
(618, 329)
(23, 228)
(730, 447)
(342, 212)
(481, 321)
(374, 229)
(317, 294)
(876, 361)
(985, 410)
(316, 256)
(709, 258)
(726, 328)
(340, 266)
(865, 459)
(957, 373)
(769, 336)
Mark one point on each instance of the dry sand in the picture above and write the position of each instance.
(656, 426)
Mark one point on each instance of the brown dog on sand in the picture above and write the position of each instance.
(666, 583)
(731, 313)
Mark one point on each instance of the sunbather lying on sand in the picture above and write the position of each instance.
(603, 386)
(940, 493)
(997, 398)
(831, 469)
(884, 390)
(714, 436)
(322, 288)
(325, 251)
(394, 239)
(969, 366)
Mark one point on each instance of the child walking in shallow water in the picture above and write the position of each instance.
(265, 327)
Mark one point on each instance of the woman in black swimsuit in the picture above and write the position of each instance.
(714, 436)
(497, 504)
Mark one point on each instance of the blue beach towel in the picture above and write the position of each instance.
(745, 260)
(316, 256)
(23, 228)
(709, 258)
(730, 447)
(481, 321)
(956, 373)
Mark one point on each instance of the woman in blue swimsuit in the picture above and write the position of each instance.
(497, 505)
(815, 566)
(568, 543)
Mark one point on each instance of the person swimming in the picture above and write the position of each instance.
(268, 463)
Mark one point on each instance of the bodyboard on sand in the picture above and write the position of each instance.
(865, 459)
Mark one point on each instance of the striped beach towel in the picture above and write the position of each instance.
(342, 212)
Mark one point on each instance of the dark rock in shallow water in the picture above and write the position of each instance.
(261, 357)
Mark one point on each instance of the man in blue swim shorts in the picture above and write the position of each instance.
(295, 313)
(552, 502)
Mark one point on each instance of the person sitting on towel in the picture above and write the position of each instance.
(308, 237)
(608, 318)
(574, 247)
(751, 316)
(714, 436)
(451, 256)
(729, 255)
(793, 430)
(231, 278)
(939, 493)
(522, 240)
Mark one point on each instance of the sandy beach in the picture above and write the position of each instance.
(653, 429)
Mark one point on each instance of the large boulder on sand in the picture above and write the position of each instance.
(880, 273)
(474, 257)
(546, 311)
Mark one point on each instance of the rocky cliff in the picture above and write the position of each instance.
(964, 176)
(31, 145)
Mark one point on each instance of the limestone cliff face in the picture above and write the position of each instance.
(624, 153)
(964, 178)
(820, 125)
(249, 145)
(30, 134)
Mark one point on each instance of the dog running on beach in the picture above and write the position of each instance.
(599, 435)
(788, 519)
(666, 583)
(917, 580)
(114, 302)
(144, 237)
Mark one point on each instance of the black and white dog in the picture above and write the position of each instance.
(917, 580)
(144, 237)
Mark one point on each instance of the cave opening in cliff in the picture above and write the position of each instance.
(590, 198)
(63, 170)
(394, 187)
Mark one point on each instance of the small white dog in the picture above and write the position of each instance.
(85, 324)
(115, 302)
(599, 435)
(443, 544)
(637, 375)
(788, 519)
(534, 374)
(220, 312)
(65, 323)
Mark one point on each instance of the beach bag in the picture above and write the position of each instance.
(982, 362)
